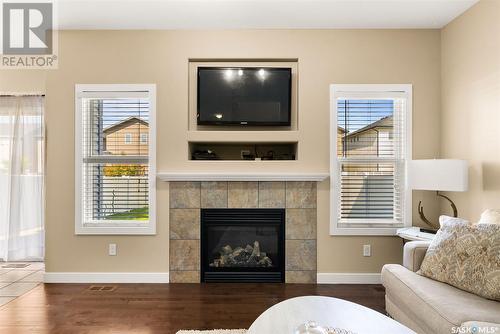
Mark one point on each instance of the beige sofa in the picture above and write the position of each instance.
(432, 307)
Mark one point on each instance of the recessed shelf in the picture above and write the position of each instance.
(193, 86)
(245, 151)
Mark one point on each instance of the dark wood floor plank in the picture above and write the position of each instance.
(160, 308)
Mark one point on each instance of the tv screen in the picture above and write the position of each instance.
(244, 95)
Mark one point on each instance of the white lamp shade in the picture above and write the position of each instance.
(439, 175)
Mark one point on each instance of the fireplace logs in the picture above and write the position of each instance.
(242, 257)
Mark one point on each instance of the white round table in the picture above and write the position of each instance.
(284, 317)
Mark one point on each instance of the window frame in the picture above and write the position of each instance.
(127, 140)
(145, 137)
(119, 227)
(367, 91)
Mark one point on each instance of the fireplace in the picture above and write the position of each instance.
(242, 245)
(295, 199)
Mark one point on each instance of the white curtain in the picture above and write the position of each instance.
(22, 143)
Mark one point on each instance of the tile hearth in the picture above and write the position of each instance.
(297, 197)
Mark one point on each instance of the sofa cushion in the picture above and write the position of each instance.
(465, 256)
(406, 319)
(435, 306)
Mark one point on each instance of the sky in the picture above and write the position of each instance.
(360, 113)
(117, 110)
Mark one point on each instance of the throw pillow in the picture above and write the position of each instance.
(465, 256)
(490, 216)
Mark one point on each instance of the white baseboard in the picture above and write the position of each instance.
(349, 278)
(86, 277)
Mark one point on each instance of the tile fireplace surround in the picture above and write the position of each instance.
(297, 197)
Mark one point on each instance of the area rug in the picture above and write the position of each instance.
(215, 331)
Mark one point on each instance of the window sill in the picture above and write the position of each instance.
(373, 231)
(116, 230)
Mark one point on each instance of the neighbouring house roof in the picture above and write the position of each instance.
(385, 122)
(124, 124)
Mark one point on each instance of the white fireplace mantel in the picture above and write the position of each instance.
(220, 176)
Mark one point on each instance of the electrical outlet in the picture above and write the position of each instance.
(112, 249)
(367, 250)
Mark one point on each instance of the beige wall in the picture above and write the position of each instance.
(161, 57)
(471, 104)
(26, 81)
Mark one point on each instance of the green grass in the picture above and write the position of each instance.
(134, 214)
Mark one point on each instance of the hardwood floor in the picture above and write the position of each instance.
(160, 308)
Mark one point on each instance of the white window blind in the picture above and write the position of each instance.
(370, 151)
(116, 184)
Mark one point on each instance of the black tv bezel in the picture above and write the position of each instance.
(243, 123)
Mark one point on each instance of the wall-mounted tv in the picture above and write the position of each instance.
(244, 95)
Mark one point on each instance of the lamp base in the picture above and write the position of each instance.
(427, 221)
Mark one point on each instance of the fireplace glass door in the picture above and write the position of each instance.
(245, 245)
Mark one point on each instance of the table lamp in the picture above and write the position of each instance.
(438, 175)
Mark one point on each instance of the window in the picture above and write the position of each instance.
(115, 175)
(369, 156)
(128, 138)
(144, 138)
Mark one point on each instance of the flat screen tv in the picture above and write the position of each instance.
(244, 96)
